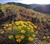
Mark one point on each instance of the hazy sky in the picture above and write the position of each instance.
(27, 1)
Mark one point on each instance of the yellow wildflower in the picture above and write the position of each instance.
(24, 26)
(10, 28)
(7, 25)
(15, 28)
(33, 35)
(28, 28)
(2, 32)
(17, 23)
(4, 27)
(26, 23)
(22, 37)
(10, 36)
(31, 26)
(22, 23)
(17, 36)
(32, 30)
(44, 37)
(30, 39)
(36, 32)
(10, 24)
(18, 40)
(19, 27)
(23, 31)
(35, 26)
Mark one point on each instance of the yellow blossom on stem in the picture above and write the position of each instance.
(28, 28)
(17, 23)
(17, 36)
(32, 30)
(35, 26)
(33, 35)
(23, 31)
(18, 40)
(30, 39)
(24, 26)
(2, 32)
(10, 28)
(4, 27)
(10, 24)
(10, 36)
(15, 28)
(19, 27)
(22, 36)
(44, 37)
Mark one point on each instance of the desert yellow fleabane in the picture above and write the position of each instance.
(18, 40)
(30, 39)
(2, 32)
(17, 36)
(10, 36)
(22, 36)
(23, 31)
(44, 37)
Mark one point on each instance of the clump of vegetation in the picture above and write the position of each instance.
(20, 32)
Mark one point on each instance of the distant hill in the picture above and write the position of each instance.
(36, 7)
(19, 4)
(43, 8)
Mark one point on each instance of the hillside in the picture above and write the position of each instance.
(10, 13)
(37, 7)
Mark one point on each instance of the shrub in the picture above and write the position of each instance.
(20, 32)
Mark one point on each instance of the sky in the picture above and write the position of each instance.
(27, 1)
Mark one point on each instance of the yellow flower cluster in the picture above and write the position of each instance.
(19, 38)
(20, 30)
